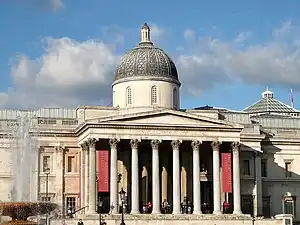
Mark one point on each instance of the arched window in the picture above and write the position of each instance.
(128, 96)
(153, 95)
(175, 98)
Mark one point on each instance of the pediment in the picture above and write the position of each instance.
(169, 118)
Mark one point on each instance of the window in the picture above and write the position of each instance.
(71, 203)
(128, 96)
(175, 98)
(153, 95)
(46, 162)
(246, 167)
(288, 169)
(46, 199)
(289, 204)
(71, 164)
(264, 168)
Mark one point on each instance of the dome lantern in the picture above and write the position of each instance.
(145, 34)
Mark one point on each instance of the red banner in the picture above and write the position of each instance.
(226, 173)
(103, 171)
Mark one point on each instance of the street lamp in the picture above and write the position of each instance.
(100, 203)
(47, 172)
(122, 196)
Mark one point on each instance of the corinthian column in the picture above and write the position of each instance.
(113, 175)
(216, 176)
(236, 178)
(92, 176)
(176, 176)
(85, 175)
(134, 176)
(196, 177)
(155, 177)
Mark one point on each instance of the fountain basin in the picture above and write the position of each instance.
(20, 211)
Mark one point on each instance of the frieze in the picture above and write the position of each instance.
(156, 132)
(5, 145)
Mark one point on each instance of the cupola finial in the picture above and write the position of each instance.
(145, 34)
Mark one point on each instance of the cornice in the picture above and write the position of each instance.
(157, 127)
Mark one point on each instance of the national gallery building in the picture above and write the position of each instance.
(166, 160)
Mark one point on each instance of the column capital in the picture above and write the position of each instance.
(235, 146)
(113, 142)
(60, 149)
(134, 143)
(257, 154)
(92, 142)
(155, 143)
(216, 145)
(84, 146)
(175, 144)
(195, 144)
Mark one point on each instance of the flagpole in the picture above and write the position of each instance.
(292, 98)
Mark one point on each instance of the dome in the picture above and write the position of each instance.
(146, 61)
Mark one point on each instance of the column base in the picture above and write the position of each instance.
(156, 212)
(134, 212)
(176, 213)
(238, 212)
(197, 213)
(217, 212)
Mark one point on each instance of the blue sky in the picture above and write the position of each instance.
(62, 52)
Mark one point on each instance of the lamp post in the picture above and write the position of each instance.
(47, 172)
(100, 204)
(122, 196)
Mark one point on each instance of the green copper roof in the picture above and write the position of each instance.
(269, 105)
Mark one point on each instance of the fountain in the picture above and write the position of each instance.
(24, 199)
(20, 211)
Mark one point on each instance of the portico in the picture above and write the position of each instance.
(176, 160)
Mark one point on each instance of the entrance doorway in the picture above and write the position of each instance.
(104, 196)
(207, 196)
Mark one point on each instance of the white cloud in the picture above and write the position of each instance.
(284, 29)
(157, 32)
(68, 74)
(56, 4)
(71, 73)
(242, 37)
(189, 35)
(212, 61)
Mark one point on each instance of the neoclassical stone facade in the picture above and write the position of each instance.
(156, 152)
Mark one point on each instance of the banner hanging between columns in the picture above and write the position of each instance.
(103, 170)
(226, 172)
